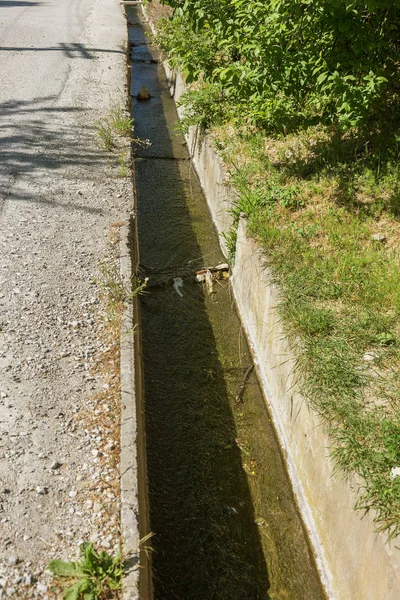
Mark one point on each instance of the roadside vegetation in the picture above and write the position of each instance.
(95, 576)
(302, 101)
(112, 132)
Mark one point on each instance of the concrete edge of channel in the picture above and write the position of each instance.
(128, 436)
(137, 581)
(129, 479)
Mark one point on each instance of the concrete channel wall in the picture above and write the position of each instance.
(354, 562)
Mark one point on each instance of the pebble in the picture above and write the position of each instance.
(369, 356)
(13, 560)
(42, 491)
(378, 237)
(395, 472)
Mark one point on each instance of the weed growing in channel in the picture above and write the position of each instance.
(95, 576)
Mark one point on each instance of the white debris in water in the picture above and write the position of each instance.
(178, 283)
(209, 283)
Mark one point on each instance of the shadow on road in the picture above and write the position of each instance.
(17, 3)
(38, 138)
(71, 50)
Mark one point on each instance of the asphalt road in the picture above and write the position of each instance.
(62, 64)
(48, 53)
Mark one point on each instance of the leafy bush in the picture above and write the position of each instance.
(286, 63)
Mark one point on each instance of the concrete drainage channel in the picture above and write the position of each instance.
(220, 504)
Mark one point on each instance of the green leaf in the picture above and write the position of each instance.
(321, 78)
(90, 555)
(80, 587)
(62, 568)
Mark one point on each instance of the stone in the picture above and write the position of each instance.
(378, 237)
(395, 472)
(143, 94)
(369, 356)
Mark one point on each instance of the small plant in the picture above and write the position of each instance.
(113, 287)
(117, 123)
(124, 166)
(95, 576)
(121, 122)
(204, 107)
(230, 238)
(105, 134)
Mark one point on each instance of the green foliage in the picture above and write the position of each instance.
(125, 168)
(121, 122)
(97, 574)
(114, 125)
(115, 289)
(283, 64)
(205, 107)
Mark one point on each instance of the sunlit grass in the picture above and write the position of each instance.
(325, 208)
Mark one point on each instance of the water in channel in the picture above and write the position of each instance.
(224, 519)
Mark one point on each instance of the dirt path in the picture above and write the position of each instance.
(64, 64)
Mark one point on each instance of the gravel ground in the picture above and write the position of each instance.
(59, 195)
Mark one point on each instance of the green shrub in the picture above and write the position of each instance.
(288, 63)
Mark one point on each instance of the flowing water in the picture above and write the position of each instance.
(225, 523)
